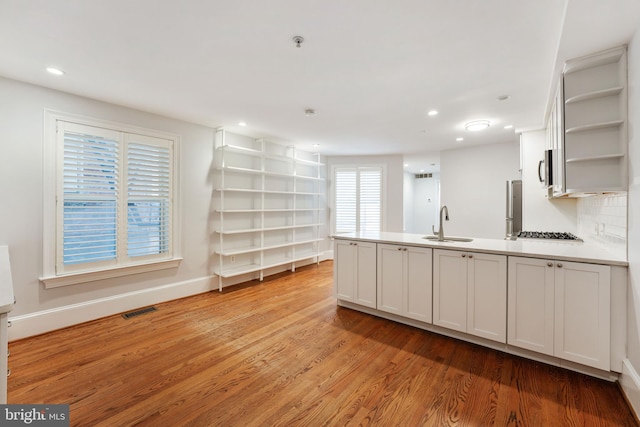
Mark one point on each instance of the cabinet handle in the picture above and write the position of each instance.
(549, 264)
(399, 249)
(470, 256)
(404, 249)
(464, 255)
(559, 265)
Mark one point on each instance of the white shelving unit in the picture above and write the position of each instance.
(269, 204)
(595, 123)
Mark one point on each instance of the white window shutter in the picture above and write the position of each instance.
(346, 200)
(370, 202)
(89, 188)
(148, 196)
(114, 198)
(358, 199)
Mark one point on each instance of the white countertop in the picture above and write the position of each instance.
(6, 284)
(534, 248)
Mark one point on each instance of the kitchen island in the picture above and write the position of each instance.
(562, 303)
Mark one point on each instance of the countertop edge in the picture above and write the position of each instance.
(480, 245)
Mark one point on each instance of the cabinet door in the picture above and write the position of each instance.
(365, 285)
(487, 296)
(344, 269)
(558, 165)
(418, 283)
(582, 313)
(391, 272)
(530, 304)
(450, 289)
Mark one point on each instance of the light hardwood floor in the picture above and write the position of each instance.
(281, 353)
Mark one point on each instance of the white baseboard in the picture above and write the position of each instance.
(630, 383)
(61, 317)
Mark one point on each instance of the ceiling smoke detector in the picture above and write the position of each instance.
(309, 112)
(298, 40)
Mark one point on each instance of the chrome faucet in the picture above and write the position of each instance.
(440, 232)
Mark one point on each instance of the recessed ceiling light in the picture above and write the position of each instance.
(242, 124)
(477, 125)
(421, 170)
(459, 139)
(406, 165)
(508, 127)
(433, 113)
(55, 71)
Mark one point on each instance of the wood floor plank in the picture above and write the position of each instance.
(282, 353)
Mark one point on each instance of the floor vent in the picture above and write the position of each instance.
(140, 312)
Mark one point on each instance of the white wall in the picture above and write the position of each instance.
(472, 185)
(631, 381)
(21, 217)
(407, 199)
(393, 217)
(426, 203)
(540, 213)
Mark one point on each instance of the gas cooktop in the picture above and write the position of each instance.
(549, 235)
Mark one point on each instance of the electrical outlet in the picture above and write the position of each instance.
(233, 258)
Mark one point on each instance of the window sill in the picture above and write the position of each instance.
(90, 276)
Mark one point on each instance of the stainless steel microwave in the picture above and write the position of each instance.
(545, 169)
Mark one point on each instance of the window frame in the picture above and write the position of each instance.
(51, 277)
(383, 193)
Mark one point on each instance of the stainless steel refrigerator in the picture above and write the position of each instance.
(513, 209)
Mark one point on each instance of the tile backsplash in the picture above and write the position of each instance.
(603, 219)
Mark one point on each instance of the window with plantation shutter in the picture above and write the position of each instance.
(114, 200)
(358, 199)
(148, 203)
(90, 180)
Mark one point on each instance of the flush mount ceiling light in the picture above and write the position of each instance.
(508, 127)
(55, 71)
(459, 139)
(432, 113)
(243, 124)
(477, 125)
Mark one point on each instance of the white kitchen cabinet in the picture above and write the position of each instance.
(355, 272)
(582, 313)
(530, 304)
(590, 152)
(561, 309)
(6, 304)
(555, 137)
(404, 282)
(268, 205)
(470, 292)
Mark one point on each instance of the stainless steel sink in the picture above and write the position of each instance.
(449, 239)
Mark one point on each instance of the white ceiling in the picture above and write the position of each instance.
(371, 69)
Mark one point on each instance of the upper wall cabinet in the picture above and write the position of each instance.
(595, 124)
(269, 204)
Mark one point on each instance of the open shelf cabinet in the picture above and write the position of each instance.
(269, 202)
(595, 124)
